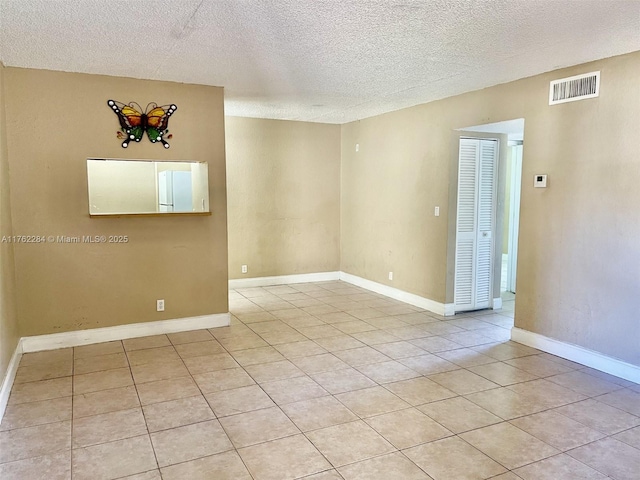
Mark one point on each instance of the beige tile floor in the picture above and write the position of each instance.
(320, 381)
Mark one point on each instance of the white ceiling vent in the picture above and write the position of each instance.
(575, 88)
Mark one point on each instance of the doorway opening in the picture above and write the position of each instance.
(505, 209)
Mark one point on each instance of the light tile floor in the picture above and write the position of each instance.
(320, 381)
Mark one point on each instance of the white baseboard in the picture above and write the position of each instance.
(577, 354)
(122, 332)
(397, 294)
(497, 303)
(9, 377)
(283, 280)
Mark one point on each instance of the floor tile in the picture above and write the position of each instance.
(61, 355)
(459, 414)
(293, 390)
(99, 363)
(505, 350)
(150, 475)
(325, 362)
(189, 442)
(105, 401)
(407, 428)
(290, 457)
(56, 466)
(355, 326)
(418, 391)
(210, 363)
(624, 399)
(611, 457)
(160, 370)
(176, 413)
(559, 467)
(95, 349)
(630, 437)
(146, 342)
(428, 364)
(462, 381)
(193, 336)
(108, 427)
(43, 371)
(505, 403)
(546, 393)
(300, 349)
(223, 380)
(34, 441)
(318, 413)
(387, 372)
(399, 349)
(557, 430)
(340, 381)
(269, 372)
(538, 366)
(339, 342)
(36, 413)
(222, 466)
(453, 459)
(599, 416)
(114, 459)
(466, 357)
(508, 445)
(259, 426)
(242, 342)
(584, 383)
(42, 390)
(326, 475)
(152, 355)
(256, 356)
(391, 466)
(105, 380)
(371, 401)
(319, 331)
(238, 400)
(501, 373)
(374, 337)
(349, 442)
(165, 390)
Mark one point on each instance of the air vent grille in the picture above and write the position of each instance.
(575, 88)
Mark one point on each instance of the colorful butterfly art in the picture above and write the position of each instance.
(154, 121)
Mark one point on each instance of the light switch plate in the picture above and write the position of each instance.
(540, 181)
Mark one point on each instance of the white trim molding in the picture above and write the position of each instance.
(77, 338)
(9, 377)
(397, 294)
(283, 280)
(575, 353)
(497, 303)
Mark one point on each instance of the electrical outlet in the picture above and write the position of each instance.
(160, 305)
(390, 275)
(357, 147)
(436, 211)
(244, 269)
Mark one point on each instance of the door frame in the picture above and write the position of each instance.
(496, 301)
(514, 215)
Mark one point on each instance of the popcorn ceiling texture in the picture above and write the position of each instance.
(313, 60)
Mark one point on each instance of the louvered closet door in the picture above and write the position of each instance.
(475, 223)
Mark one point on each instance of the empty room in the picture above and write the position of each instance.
(318, 239)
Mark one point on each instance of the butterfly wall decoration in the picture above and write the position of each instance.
(154, 121)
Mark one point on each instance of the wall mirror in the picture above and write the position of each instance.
(147, 187)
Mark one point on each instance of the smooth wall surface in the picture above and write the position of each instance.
(55, 121)
(284, 197)
(579, 255)
(8, 321)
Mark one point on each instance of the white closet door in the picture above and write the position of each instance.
(475, 224)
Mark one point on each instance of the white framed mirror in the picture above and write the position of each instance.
(147, 187)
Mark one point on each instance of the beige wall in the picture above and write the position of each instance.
(578, 257)
(284, 197)
(9, 334)
(55, 122)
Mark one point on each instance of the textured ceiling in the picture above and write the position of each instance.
(314, 60)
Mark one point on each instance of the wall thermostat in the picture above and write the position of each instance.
(540, 181)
